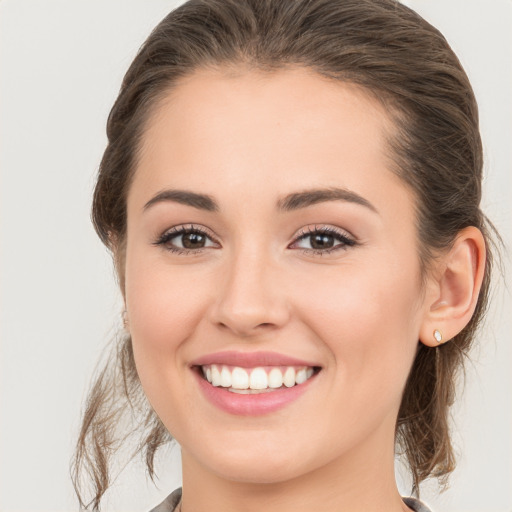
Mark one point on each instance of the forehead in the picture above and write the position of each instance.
(220, 130)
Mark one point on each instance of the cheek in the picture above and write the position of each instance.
(368, 316)
(162, 302)
(164, 307)
(368, 322)
(362, 298)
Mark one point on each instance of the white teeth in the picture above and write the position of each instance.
(257, 380)
(250, 391)
(289, 377)
(239, 378)
(215, 376)
(301, 376)
(275, 378)
(225, 378)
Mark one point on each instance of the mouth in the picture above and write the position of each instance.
(254, 383)
(257, 380)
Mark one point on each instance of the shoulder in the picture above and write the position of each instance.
(170, 503)
(416, 505)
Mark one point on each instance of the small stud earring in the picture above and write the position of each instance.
(125, 319)
(438, 336)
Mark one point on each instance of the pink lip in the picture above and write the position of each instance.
(250, 359)
(250, 405)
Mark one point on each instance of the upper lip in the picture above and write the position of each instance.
(250, 359)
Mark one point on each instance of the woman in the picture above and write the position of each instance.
(291, 195)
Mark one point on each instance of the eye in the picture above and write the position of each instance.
(185, 239)
(323, 240)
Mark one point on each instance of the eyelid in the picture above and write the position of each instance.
(343, 236)
(347, 240)
(181, 229)
(323, 228)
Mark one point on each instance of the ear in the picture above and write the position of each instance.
(452, 291)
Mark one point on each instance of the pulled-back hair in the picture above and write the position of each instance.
(397, 57)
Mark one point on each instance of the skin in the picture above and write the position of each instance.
(247, 140)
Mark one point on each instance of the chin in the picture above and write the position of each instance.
(260, 473)
(257, 466)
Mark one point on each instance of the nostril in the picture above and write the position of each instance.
(245, 330)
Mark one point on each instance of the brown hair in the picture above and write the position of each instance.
(396, 56)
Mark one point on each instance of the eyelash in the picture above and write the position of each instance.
(174, 232)
(339, 235)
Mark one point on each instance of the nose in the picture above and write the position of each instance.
(251, 299)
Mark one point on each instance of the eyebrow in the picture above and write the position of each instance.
(290, 202)
(310, 197)
(199, 201)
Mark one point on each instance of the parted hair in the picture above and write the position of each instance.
(397, 57)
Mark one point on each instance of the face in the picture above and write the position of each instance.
(266, 230)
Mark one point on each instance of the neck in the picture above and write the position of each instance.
(363, 480)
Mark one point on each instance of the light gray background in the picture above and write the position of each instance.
(61, 66)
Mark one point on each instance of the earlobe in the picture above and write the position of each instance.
(453, 292)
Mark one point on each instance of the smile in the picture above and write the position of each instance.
(254, 383)
(255, 380)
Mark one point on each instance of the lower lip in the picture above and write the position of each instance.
(251, 404)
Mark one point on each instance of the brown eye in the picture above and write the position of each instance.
(185, 239)
(322, 241)
(193, 240)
